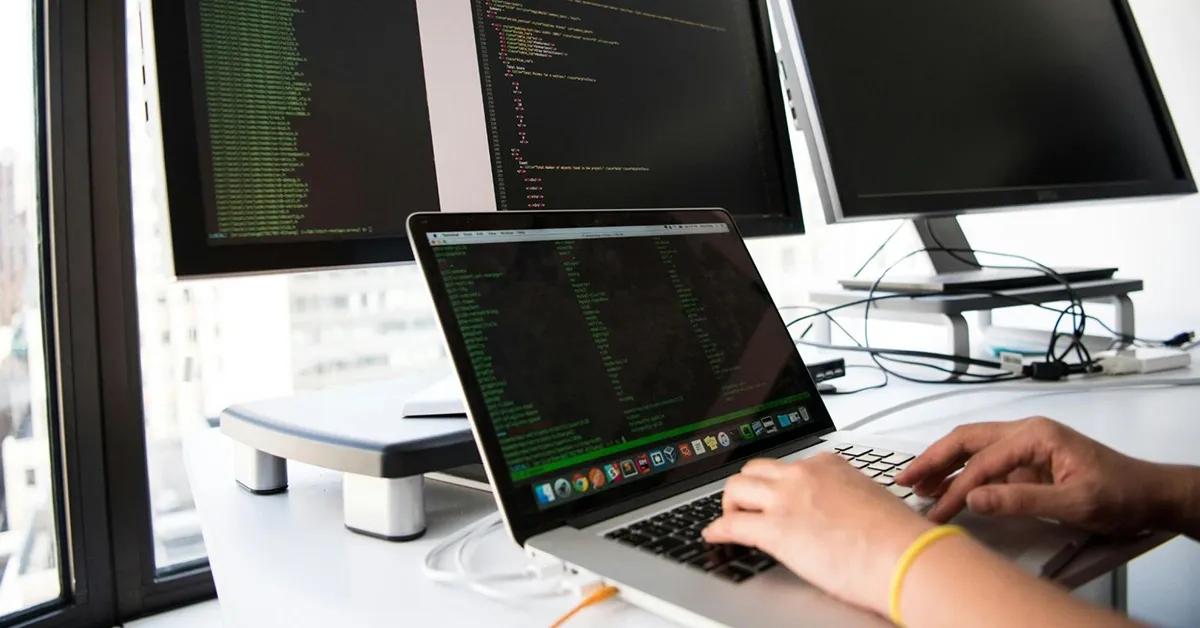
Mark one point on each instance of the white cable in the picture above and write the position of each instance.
(1045, 388)
(549, 575)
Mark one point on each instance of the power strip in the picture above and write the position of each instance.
(1142, 360)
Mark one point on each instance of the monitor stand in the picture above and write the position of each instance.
(958, 271)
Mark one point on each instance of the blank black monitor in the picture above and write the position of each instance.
(300, 134)
(937, 106)
(637, 103)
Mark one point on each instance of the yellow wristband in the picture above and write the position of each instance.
(906, 562)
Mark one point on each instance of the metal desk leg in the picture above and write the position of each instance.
(960, 339)
(257, 471)
(1126, 322)
(1108, 591)
(1120, 589)
(392, 509)
(822, 330)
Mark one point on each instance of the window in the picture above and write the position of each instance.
(278, 335)
(29, 546)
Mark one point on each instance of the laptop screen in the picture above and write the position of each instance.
(607, 357)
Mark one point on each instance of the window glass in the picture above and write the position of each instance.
(29, 549)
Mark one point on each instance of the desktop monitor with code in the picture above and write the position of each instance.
(300, 134)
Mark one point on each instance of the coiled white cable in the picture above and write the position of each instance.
(1091, 385)
(534, 581)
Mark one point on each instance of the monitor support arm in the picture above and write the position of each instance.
(946, 233)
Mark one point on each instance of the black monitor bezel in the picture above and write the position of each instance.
(851, 207)
(194, 255)
(518, 506)
(767, 224)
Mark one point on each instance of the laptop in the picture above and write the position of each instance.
(617, 366)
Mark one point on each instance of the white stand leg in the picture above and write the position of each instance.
(392, 509)
(960, 340)
(259, 472)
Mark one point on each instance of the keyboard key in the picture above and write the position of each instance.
(635, 539)
(884, 480)
(881, 467)
(882, 453)
(662, 545)
(757, 562)
(859, 464)
(734, 552)
(857, 451)
(653, 531)
(900, 491)
(686, 552)
(898, 458)
(845, 455)
(870, 457)
(869, 472)
(710, 560)
(842, 446)
(733, 573)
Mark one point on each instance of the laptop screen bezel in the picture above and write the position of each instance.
(516, 504)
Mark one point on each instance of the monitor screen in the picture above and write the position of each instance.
(608, 358)
(301, 134)
(637, 104)
(297, 133)
(943, 105)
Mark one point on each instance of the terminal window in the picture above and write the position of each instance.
(613, 104)
(312, 119)
(651, 332)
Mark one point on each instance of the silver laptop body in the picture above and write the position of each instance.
(506, 286)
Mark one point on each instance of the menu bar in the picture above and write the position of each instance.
(494, 236)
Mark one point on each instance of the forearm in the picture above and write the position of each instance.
(957, 582)
(1178, 501)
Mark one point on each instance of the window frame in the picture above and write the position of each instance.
(100, 476)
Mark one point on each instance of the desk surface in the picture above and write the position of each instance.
(286, 560)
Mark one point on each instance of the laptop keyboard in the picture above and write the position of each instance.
(675, 534)
(880, 465)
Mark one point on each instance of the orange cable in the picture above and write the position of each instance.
(599, 595)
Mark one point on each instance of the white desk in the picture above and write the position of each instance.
(286, 559)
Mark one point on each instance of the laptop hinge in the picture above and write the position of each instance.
(593, 517)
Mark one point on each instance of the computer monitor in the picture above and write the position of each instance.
(300, 134)
(929, 109)
(627, 103)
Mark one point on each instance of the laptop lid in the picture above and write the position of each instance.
(607, 355)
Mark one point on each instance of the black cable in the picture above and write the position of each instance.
(1075, 310)
(879, 250)
(1080, 324)
(836, 392)
(1076, 302)
(883, 297)
(958, 359)
(861, 348)
(818, 312)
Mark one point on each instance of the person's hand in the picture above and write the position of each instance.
(824, 520)
(1036, 467)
